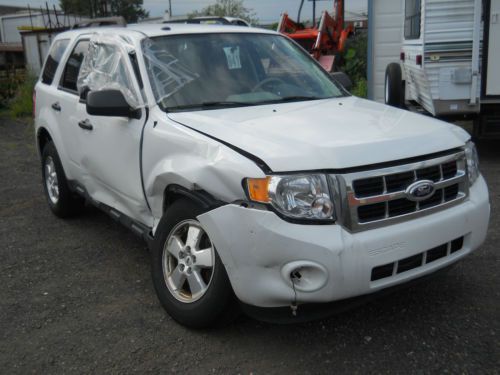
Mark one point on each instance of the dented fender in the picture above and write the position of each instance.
(176, 155)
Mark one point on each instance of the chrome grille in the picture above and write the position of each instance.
(378, 197)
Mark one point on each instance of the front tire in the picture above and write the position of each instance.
(393, 89)
(62, 201)
(188, 275)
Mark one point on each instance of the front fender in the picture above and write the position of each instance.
(175, 155)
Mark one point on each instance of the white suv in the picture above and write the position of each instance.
(249, 170)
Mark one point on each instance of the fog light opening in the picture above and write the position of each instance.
(305, 276)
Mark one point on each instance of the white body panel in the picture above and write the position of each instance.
(386, 30)
(442, 83)
(449, 80)
(340, 133)
(176, 155)
(9, 24)
(109, 157)
(493, 80)
(212, 151)
(268, 244)
(36, 47)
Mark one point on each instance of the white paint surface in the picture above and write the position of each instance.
(493, 81)
(387, 29)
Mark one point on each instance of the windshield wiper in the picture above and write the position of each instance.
(294, 98)
(226, 104)
(221, 104)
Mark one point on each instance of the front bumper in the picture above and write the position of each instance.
(260, 250)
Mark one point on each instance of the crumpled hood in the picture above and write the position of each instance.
(325, 134)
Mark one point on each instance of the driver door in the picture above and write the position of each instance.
(110, 156)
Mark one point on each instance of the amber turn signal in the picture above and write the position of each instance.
(258, 189)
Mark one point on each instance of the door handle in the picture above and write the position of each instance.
(86, 125)
(56, 107)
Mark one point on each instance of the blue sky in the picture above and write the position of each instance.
(267, 10)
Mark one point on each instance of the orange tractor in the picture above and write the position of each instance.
(324, 41)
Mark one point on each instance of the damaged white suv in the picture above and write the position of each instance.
(249, 170)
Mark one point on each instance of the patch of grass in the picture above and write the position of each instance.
(355, 63)
(360, 88)
(22, 103)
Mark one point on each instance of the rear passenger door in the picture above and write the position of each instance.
(48, 106)
(68, 101)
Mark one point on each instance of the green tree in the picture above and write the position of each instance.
(230, 8)
(131, 10)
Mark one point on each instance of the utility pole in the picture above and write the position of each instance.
(300, 10)
(314, 13)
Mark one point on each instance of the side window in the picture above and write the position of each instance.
(412, 19)
(105, 67)
(72, 68)
(53, 59)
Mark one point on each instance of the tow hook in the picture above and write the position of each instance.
(295, 277)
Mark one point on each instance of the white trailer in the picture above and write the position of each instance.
(10, 23)
(447, 55)
(36, 44)
(385, 28)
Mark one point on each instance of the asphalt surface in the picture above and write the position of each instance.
(76, 297)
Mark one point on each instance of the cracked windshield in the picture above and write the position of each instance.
(201, 71)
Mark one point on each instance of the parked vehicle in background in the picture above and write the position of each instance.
(211, 20)
(99, 22)
(326, 40)
(253, 175)
(448, 63)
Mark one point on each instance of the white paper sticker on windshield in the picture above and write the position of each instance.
(233, 57)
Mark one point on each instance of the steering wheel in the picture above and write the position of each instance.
(266, 82)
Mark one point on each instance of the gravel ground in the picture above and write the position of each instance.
(76, 296)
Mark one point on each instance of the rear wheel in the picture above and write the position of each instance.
(393, 93)
(62, 201)
(188, 275)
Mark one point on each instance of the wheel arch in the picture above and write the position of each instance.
(42, 138)
(174, 192)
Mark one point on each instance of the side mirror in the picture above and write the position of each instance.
(343, 79)
(110, 103)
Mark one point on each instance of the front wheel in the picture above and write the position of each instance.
(188, 275)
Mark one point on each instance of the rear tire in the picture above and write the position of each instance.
(188, 275)
(393, 89)
(62, 201)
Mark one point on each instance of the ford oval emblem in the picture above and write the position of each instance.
(420, 190)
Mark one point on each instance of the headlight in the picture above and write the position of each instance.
(472, 161)
(294, 196)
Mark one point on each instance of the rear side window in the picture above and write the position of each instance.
(72, 68)
(412, 19)
(53, 59)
